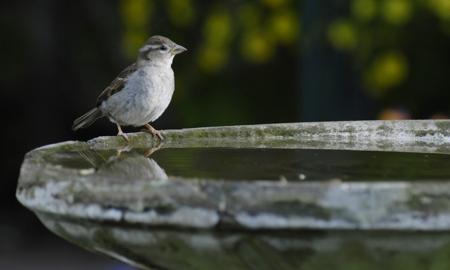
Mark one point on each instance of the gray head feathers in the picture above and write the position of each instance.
(159, 47)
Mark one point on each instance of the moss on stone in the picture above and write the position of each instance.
(416, 136)
(286, 208)
(443, 125)
(429, 203)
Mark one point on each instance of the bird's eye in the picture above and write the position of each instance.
(163, 48)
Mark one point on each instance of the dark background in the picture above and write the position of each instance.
(248, 62)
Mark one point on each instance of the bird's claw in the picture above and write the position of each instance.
(151, 130)
(159, 135)
(123, 135)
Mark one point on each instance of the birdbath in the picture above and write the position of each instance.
(351, 195)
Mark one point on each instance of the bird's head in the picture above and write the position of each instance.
(159, 50)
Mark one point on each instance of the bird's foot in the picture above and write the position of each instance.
(153, 131)
(123, 135)
(124, 149)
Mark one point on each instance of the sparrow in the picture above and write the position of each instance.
(141, 92)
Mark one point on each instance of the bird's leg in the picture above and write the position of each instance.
(121, 150)
(153, 131)
(120, 133)
(152, 150)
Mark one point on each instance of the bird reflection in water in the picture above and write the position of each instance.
(125, 163)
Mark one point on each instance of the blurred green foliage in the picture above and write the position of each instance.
(261, 26)
(217, 32)
(136, 17)
(364, 10)
(396, 12)
(342, 35)
(372, 30)
(181, 12)
(373, 33)
(441, 8)
(387, 70)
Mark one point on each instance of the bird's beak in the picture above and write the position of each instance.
(178, 49)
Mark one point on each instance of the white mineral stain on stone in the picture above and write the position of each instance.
(272, 221)
(183, 216)
(46, 199)
(349, 205)
(366, 203)
(86, 171)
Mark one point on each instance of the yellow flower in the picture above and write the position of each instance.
(256, 47)
(181, 12)
(364, 10)
(388, 70)
(284, 26)
(397, 12)
(135, 18)
(212, 59)
(218, 29)
(441, 8)
(342, 35)
(274, 3)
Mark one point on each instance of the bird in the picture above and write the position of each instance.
(141, 92)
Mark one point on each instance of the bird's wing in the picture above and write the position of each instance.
(117, 84)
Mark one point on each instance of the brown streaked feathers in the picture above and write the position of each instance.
(116, 85)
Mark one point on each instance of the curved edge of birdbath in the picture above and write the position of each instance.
(404, 136)
(51, 190)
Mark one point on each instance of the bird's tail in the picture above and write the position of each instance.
(87, 119)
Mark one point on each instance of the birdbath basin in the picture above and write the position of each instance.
(345, 195)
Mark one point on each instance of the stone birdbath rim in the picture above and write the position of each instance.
(54, 191)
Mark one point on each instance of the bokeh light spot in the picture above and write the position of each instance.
(135, 16)
(181, 12)
(274, 3)
(342, 35)
(256, 47)
(441, 8)
(387, 71)
(364, 10)
(284, 26)
(397, 12)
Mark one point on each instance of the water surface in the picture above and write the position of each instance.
(267, 164)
